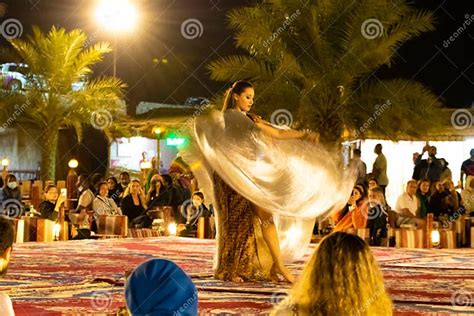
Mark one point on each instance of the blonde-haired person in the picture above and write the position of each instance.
(133, 203)
(341, 278)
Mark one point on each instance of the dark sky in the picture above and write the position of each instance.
(449, 72)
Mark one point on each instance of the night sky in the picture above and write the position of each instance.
(449, 72)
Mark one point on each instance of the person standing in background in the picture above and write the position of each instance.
(379, 169)
(359, 166)
(467, 168)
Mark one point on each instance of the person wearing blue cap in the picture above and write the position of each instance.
(158, 287)
(467, 168)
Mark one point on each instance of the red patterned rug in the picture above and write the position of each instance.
(86, 277)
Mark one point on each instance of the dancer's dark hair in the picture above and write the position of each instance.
(238, 87)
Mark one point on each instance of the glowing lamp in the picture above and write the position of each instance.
(172, 229)
(157, 130)
(73, 163)
(5, 162)
(435, 238)
(56, 230)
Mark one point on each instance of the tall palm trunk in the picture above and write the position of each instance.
(49, 147)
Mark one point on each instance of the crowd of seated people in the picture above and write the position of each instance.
(430, 191)
(98, 197)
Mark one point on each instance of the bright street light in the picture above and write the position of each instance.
(116, 16)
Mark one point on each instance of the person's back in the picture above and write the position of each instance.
(341, 278)
(6, 242)
(360, 167)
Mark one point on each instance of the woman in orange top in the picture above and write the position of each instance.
(354, 215)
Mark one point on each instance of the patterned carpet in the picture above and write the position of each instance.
(86, 277)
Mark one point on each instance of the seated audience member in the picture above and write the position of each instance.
(81, 185)
(124, 180)
(372, 183)
(341, 278)
(437, 203)
(160, 287)
(377, 216)
(467, 195)
(354, 215)
(51, 205)
(453, 201)
(191, 213)
(6, 243)
(12, 193)
(407, 206)
(102, 204)
(158, 195)
(177, 196)
(196, 209)
(423, 194)
(81, 217)
(115, 190)
(133, 205)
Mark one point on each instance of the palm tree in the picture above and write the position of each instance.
(319, 58)
(58, 93)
